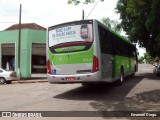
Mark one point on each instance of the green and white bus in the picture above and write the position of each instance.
(87, 52)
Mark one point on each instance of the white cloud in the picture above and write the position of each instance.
(51, 12)
(141, 50)
(8, 7)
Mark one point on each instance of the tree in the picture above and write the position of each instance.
(76, 2)
(148, 59)
(141, 22)
(112, 24)
(141, 59)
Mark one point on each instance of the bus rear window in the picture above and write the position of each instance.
(70, 37)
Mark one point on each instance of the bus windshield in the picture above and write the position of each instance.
(70, 37)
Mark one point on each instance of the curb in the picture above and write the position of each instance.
(29, 81)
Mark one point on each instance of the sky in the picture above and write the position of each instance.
(51, 12)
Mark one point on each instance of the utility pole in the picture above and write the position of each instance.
(82, 14)
(19, 43)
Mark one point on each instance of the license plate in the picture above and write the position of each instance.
(70, 78)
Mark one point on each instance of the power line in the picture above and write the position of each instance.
(94, 7)
(8, 22)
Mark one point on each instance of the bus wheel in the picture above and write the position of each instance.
(135, 69)
(120, 81)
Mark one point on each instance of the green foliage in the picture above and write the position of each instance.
(107, 22)
(112, 24)
(148, 59)
(141, 59)
(76, 2)
(141, 22)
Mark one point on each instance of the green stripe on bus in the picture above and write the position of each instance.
(71, 58)
(126, 62)
(72, 48)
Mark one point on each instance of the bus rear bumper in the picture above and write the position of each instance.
(78, 78)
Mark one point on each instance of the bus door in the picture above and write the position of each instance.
(105, 45)
(107, 67)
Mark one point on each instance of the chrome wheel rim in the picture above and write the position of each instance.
(121, 77)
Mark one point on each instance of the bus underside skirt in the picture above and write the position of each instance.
(70, 69)
(75, 78)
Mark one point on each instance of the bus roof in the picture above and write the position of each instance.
(86, 21)
(72, 23)
(115, 33)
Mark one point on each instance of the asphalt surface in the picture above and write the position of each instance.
(138, 93)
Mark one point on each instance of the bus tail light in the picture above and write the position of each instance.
(49, 67)
(95, 66)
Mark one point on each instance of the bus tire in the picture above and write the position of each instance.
(133, 73)
(121, 79)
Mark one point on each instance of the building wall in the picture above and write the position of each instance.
(24, 55)
(28, 36)
(34, 36)
(9, 37)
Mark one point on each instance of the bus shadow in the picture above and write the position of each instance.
(144, 101)
(152, 76)
(105, 92)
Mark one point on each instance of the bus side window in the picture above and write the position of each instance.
(118, 47)
(107, 42)
(132, 51)
(104, 41)
(125, 50)
(101, 39)
(128, 50)
(112, 43)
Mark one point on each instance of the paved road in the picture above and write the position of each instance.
(138, 93)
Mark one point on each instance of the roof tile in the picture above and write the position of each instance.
(26, 25)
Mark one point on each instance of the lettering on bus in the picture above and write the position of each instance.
(62, 32)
